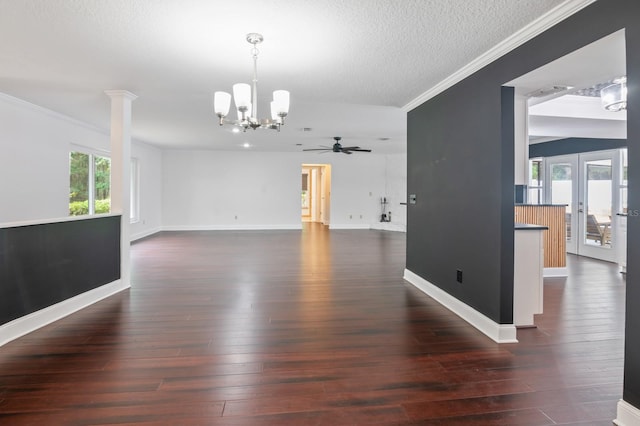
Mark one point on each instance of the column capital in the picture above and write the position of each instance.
(113, 94)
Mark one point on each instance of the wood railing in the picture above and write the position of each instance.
(555, 238)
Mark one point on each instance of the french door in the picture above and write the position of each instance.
(588, 185)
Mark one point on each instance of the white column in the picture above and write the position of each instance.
(521, 123)
(121, 171)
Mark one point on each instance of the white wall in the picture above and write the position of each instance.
(396, 188)
(34, 164)
(186, 189)
(357, 183)
(150, 189)
(208, 189)
(230, 190)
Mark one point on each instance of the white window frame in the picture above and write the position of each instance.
(134, 195)
(539, 188)
(91, 192)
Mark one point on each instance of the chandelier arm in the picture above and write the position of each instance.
(249, 119)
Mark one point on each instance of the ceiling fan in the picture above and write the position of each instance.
(337, 147)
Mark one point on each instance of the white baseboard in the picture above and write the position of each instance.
(28, 323)
(627, 415)
(500, 333)
(296, 226)
(349, 226)
(141, 235)
(388, 226)
(555, 272)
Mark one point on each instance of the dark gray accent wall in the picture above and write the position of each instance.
(631, 391)
(41, 265)
(456, 221)
(574, 146)
(460, 166)
(507, 201)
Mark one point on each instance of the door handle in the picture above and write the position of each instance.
(580, 211)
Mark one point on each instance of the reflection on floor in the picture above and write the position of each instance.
(311, 327)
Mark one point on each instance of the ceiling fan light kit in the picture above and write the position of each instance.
(337, 147)
(245, 97)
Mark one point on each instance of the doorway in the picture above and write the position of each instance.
(591, 185)
(316, 193)
(568, 133)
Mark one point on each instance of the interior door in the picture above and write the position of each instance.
(596, 205)
(586, 184)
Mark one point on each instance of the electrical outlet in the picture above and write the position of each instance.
(236, 217)
(459, 275)
(350, 216)
(360, 216)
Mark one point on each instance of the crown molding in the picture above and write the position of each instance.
(53, 114)
(540, 25)
(48, 112)
(124, 94)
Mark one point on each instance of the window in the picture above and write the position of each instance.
(536, 182)
(89, 184)
(134, 191)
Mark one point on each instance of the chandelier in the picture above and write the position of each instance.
(614, 96)
(246, 100)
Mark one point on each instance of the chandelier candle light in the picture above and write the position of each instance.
(246, 100)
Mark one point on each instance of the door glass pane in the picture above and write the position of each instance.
(103, 185)
(535, 195)
(561, 190)
(598, 203)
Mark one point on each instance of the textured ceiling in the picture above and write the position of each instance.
(350, 65)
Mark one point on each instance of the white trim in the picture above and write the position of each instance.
(56, 220)
(386, 226)
(500, 333)
(28, 323)
(540, 25)
(627, 415)
(555, 272)
(57, 115)
(42, 110)
(348, 226)
(119, 93)
(230, 227)
(100, 152)
(143, 234)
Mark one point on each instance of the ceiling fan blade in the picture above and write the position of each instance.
(317, 149)
(361, 150)
(346, 151)
(350, 148)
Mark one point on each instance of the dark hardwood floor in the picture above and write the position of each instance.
(311, 328)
